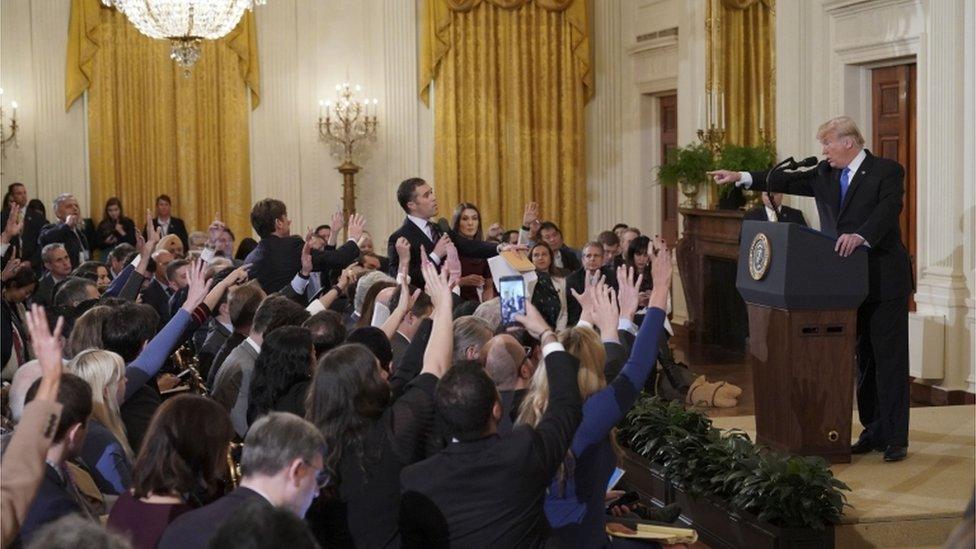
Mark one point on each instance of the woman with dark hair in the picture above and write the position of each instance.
(371, 437)
(640, 261)
(180, 465)
(246, 246)
(115, 227)
(549, 291)
(282, 373)
(14, 336)
(96, 272)
(475, 282)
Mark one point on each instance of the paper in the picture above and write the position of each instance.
(499, 267)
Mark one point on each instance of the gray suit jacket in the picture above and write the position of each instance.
(233, 382)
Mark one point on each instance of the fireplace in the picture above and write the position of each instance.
(707, 257)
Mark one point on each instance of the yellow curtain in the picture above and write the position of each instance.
(152, 130)
(741, 47)
(512, 78)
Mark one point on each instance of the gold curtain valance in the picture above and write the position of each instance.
(83, 43)
(436, 34)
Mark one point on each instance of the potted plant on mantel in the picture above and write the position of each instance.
(746, 159)
(686, 167)
(733, 493)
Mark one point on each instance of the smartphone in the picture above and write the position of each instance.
(512, 292)
(630, 498)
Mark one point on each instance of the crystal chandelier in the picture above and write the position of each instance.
(185, 23)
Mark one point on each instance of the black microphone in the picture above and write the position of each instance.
(443, 225)
(807, 162)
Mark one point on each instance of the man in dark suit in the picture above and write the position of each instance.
(484, 490)
(71, 229)
(32, 222)
(859, 199)
(166, 223)
(57, 265)
(417, 199)
(277, 258)
(588, 275)
(563, 256)
(774, 210)
(283, 464)
(57, 495)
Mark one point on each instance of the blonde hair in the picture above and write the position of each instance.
(841, 126)
(87, 330)
(585, 345)
(164, 243)
(103, 371)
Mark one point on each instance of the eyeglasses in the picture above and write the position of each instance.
(322, 476)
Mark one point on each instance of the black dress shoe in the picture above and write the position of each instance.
(895, 453)
(864, 446)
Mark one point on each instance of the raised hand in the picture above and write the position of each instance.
(14, 224)
(661, 271)
(532, 321)
(724, 177)
(198, 286)
(306, 257)
(337, 221)
(10, 269)
(440, 248)
(438, 287)
(47, 346)
(402, 246)
(357, 223)
(605, 309)
(152, 235)
(531, 214)
(628, 295)
(238, 276)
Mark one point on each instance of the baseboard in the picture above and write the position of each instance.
(936, 396)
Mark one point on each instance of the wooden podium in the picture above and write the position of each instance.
(802, 299)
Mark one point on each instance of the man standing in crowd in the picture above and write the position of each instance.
(167, 224)
(58, 267)
(593, 268)
(774, 210)
(71, 229)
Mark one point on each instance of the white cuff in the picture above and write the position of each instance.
(584, 324)
(3, 247)
(435, 258)
(315, 306)
(552, 348)
(207, 255)
(745, 180)
(627, 325)
(299, 284)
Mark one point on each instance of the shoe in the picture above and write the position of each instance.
(669, 513)
(895, 453)
(864, 446)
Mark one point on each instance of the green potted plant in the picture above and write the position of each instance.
(686, 167)
(743, 158)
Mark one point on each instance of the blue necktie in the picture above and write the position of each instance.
(845, 183)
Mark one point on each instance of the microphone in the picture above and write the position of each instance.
(807, 162)
(443, 225)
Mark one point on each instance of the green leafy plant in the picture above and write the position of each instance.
(744, 158)
(687, 163)
(788, 491)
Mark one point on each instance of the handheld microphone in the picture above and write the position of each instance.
(443, 225)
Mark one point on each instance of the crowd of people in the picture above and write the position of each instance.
(181, 389)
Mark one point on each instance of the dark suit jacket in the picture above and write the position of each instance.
(276, 260)
(74, 240)
(571, 260)
(786, 214)
(417, 238)
(177, 227)
(106, 229)
(26, 242)
(489, 492)
(871, 209)
(156, 296)
(399, 346)
(577, 281)
(44, 295)
(52, 502)
(194, 530)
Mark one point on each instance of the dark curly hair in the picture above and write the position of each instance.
(285, 360)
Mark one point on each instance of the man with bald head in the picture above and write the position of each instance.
(511, 368)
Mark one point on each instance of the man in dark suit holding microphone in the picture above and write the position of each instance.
(859, 200)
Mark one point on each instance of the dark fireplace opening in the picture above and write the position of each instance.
(726, 318)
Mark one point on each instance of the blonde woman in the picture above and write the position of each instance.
(575, 503)
(106, 448)
(172, 244)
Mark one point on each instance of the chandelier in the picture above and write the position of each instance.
(346, 126)
(185, 23)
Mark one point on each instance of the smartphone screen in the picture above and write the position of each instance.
(512, 293)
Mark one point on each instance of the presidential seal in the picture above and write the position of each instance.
(759, 256)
